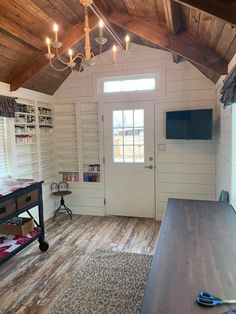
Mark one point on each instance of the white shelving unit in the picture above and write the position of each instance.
(90, 142)
(34, 142)
(67, 142)
(27, 158)
(77, 142)
(46, 142)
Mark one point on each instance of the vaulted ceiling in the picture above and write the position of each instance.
(203, 32)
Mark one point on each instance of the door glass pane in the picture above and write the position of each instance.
(118, 137)
(128, 135)
(139, 136)
(117, 119)
(128, 154)
(118, 153)
(128, 118)
(139, 118)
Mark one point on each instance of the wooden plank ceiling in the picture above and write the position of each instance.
(203, 32)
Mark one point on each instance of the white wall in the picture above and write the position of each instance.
(186, 169)
(49, 202)
(223, 141)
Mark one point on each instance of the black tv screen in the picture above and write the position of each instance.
(189, 124)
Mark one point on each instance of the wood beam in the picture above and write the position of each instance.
(69, 39)
(173, 21)
(224, 10)
(173, 16)
(182, 44)
(176, 58)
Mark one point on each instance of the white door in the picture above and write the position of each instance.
(129, 159)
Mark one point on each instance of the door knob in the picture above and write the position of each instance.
(149, 167)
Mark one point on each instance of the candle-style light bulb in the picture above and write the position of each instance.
(114, 49)
(127, 40)
(48, 42)
(101, 24)
(70, 52)
(55, 28)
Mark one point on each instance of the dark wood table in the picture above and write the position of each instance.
(196, 250)
(16, 197)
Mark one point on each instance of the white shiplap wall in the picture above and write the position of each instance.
(186, 169)
(223, 141)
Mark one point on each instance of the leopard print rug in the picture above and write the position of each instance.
(110, 282)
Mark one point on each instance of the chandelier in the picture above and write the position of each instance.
(87, 58)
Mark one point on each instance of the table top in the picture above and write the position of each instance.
(61, 193)
(8, 186)
(196, 250)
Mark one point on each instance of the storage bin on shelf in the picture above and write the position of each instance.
(19, 226)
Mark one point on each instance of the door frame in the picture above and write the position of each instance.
(123, 98)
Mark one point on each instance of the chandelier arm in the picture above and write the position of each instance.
(79, 55)
(97, 12)
(59, 57)
(56, 69)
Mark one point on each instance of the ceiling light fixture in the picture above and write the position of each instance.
(87, 58)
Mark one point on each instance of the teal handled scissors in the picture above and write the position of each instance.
(207, 299)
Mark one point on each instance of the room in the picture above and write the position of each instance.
(86, 103)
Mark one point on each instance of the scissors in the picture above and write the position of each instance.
(207, 299)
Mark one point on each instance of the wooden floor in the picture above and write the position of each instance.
(31, 281)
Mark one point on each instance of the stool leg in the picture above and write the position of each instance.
(62, 204)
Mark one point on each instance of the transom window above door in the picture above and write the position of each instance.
(128, 136)
(129, 85)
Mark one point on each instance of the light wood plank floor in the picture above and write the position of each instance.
(31, 281)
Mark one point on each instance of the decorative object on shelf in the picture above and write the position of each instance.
(61, 190)
(69, 176)
(8, 106)
(45, 111)
(87, 58)
(91, 177)
(25, 108)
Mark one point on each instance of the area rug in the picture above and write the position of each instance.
(110, 282)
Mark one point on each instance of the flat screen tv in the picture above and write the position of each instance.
(189, 124)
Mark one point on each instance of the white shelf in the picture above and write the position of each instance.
(25, 123)
(25, 113)
(26, 144)
(45, 115)
(27, 163)
(28, 171)
(26, 153)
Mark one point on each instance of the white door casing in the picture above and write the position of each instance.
(129, 158)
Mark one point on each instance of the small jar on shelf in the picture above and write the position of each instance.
(45, 120)
(69, 176)
(45, 111)
(23, 139)
(25, 108)
(91, 177)
(45, 129)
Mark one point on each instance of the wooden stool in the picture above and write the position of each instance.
(61, 190)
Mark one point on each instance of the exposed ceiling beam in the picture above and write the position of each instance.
(173, 16)
(224, 10)
(176, 58)
(173, 21)
(69, 39)
(182, 44)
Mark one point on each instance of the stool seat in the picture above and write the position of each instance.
(61, 193)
